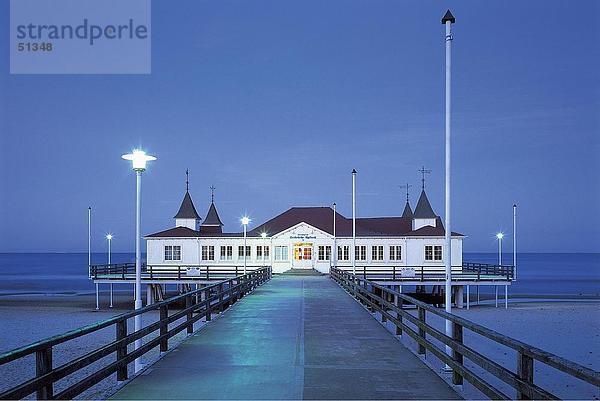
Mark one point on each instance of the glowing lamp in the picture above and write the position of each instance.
(245, 221)
(500, 235)
(138, 159)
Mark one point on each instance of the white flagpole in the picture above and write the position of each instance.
(353, 221)
(447, 20)
(515, 240)
(89, 241)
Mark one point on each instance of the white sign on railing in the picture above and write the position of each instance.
(407, 272)
(193, 271)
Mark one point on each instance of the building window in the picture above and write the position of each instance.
(241, 252)
(395, 252)
(172, 252)
(324, 252)
(281, 253)
(360, 252)
(377, 252)
(208, 252)
(343, 252)
(226, 252)
(433, 252)
(259, 252)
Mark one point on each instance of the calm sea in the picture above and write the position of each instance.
(565, 274)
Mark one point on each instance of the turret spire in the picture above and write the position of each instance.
(187, 180)
(212, 193)
(423, 172)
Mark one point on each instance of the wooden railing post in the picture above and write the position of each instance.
(525, 372)
(421, 330)
(207, 303)
(382, 308)
(164, 326)
(221, 306)
(188, 304)
(43, 365)
(457, 335)
(399, 303)
(122, 350)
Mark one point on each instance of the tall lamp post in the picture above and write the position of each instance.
(245, 222)
(138, 159)
(264, 251)
(109, 238)
(334, 253)
(500, 236)
(448, 19)
(353, 221)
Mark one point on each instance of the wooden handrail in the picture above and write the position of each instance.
(521, 380)
(214, 297)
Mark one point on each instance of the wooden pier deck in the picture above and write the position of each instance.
(294, 338)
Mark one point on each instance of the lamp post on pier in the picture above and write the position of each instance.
(333, 255)
(138, 159)
(500, 236)
(109, 238)
(245, 222)
(264, 251)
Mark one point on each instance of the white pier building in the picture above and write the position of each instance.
(303, 238)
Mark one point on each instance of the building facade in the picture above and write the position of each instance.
(304, 238)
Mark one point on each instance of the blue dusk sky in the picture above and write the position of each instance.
(275, 102)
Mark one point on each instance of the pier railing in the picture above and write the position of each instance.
(466, 271)
(125, 271)
(390, 304)
(197, 304)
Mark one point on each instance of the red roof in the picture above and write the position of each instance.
(322, 218)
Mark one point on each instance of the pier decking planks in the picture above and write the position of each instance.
(294, 338)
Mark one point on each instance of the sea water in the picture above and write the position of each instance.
(564, 274)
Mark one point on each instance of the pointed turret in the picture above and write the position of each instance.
(212, 223)
(423, 209)
(187, 216)
(407, 213)
(424, 214)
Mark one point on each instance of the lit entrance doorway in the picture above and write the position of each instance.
(303, 255)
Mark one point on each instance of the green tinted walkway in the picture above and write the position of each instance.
(293, 338)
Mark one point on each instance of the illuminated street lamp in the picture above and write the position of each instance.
(500, 236)
(109, 238)
(264, 252)
(245, 222)
(138, 159)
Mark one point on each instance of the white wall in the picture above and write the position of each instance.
(413, 249)
(418, 223)
(189, 223)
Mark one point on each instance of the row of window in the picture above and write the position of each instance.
(432, 252)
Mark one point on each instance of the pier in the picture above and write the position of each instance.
(291, 336)
(297, 337)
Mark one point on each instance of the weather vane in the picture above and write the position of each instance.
(187, 180)
(423, 172)
(406, 186)
(212, 193)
